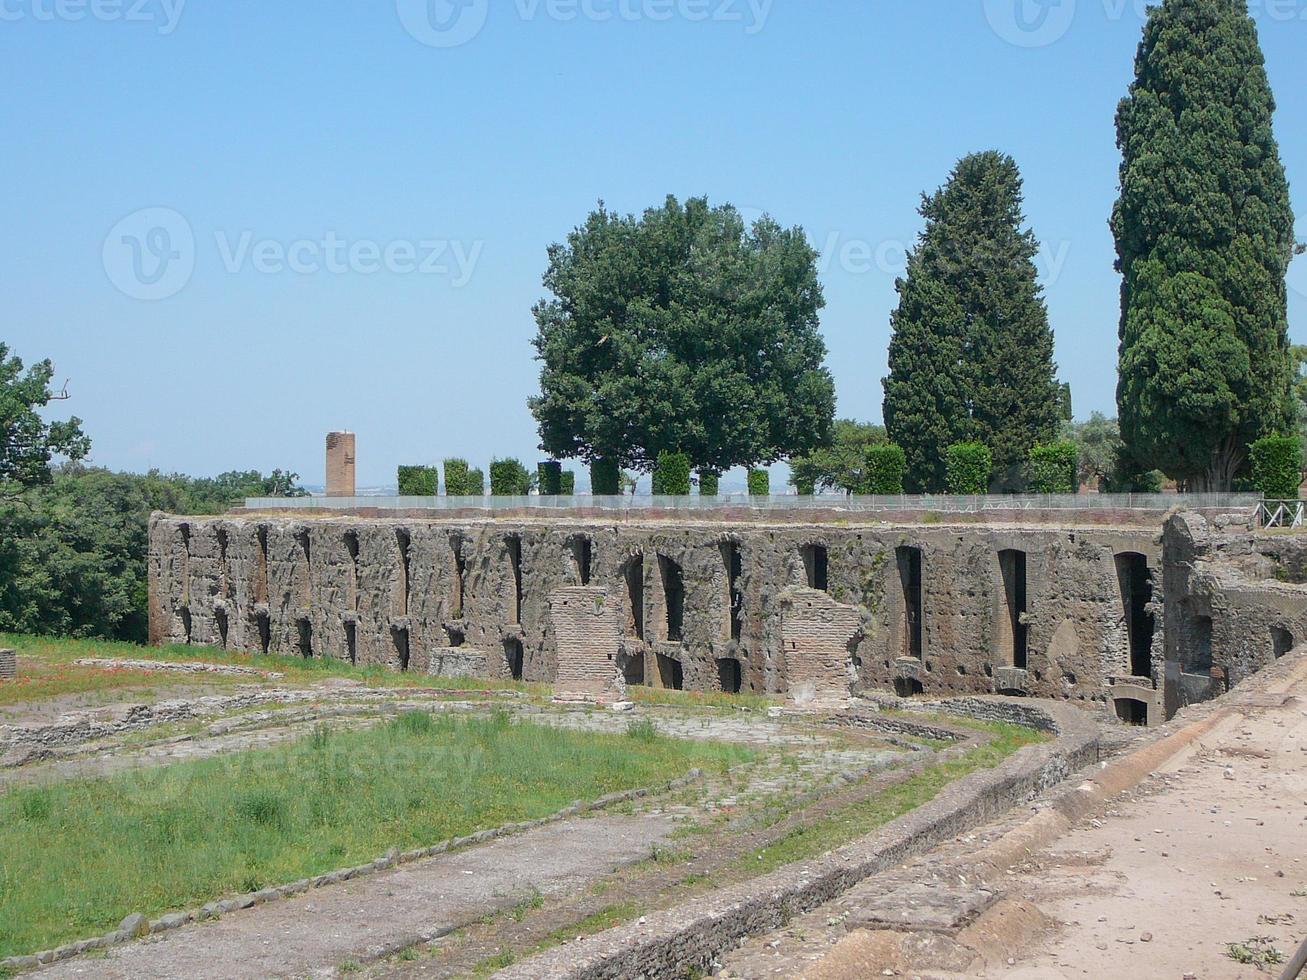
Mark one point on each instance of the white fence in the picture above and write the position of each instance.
(1156, 502)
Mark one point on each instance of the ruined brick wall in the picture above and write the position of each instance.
(408, 591)
(587, 624)
(1235, 602)
(819, 637)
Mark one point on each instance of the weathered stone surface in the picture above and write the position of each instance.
(587, 624)
(8, 665)
(396, 591)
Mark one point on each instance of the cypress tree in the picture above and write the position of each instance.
(1204, 237)
(971, 359)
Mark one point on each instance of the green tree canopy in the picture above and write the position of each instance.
(28, 443)
(841, 464)
(682, 331)
(1204, 237)
(971, 358)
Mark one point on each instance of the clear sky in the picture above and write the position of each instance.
(354, 199)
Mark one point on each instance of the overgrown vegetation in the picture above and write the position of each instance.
(73, 551)
(179, 836)
(842, 463)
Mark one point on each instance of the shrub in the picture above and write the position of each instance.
(1054, 468)
(1277, 466)
(551, 478)
(803, 483)
(568, 485)
(710, 483)
(509, 478)
(887, 465)
(456, 478)
(759, 483)
(671, 476)
(605, 478)
(419, 481)
(967, 465)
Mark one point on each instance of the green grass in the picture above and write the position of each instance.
(77, 856)
(858, 819)
(297, 670)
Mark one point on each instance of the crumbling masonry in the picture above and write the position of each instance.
(811, 612)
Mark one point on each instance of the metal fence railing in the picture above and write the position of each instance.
(1281, 513)
(1154, 502)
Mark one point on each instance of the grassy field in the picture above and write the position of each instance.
(76, 857)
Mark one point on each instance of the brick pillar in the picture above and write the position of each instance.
(340, 464)
(8, 665)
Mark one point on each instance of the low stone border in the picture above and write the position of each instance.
(177, 666)
(88, 726)
(136, 926)
(678, 940)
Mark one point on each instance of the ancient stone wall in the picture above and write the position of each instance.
(1235, 602)
(587, 623)
(959, 609)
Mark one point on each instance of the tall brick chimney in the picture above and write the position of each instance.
(340, 464)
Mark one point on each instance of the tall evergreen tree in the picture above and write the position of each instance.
(1204, 237)
(971, 358)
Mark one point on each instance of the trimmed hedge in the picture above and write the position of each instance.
(419, 481)
(803, 486)
(476, 482)
(1053, 468)
(710, 483)
(759, 483)
(605, 478)
(671, 475)
(457, 478)
(887, 465)
(551, 478)
(568, 485)
(1277, 466)
(967, 465)
(509, 478)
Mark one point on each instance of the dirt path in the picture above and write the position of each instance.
(316, 933)
(1208, 852)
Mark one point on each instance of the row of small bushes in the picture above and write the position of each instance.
(461, 480)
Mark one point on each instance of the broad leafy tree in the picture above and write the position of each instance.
(682, 331)
(842, 464)
(1204, 238)
(28, 443)
(971, 359)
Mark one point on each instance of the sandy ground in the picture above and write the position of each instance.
(1207, 852)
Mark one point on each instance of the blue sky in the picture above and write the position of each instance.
(355, 198)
